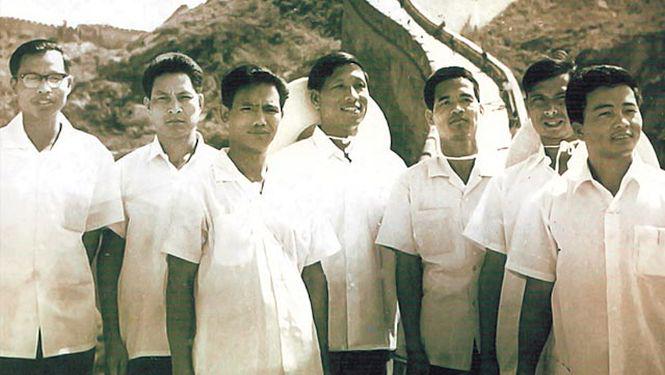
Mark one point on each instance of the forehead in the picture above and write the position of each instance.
(551, 85)
(346, 71)
(454, 87)
(42, 62)
(611, 95)
(172, 82)
(257, 93)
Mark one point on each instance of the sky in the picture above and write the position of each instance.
(130, 14)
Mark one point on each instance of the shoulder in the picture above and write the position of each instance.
(134, 156)
(89, 143)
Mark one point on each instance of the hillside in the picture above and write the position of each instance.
(622, 32)
(218, 34)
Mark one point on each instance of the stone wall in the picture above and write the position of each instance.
(397, 69)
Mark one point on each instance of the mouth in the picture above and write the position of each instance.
(352, 109)
(552, 123)
(458, 121)
(621, 136)
(44, 101)
(175, 121)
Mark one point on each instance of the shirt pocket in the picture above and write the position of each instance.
(650, 246)
(76, 205)
(432, 229)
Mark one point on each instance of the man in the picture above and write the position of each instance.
(591, 243)
(233, 238)
(133, 307)
(349, 184)
(437, 268)
(58, 187)
(492, 223)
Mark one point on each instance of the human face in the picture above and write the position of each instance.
(612, 122)
(546, 104)
(43, 101)
(174, 106)
(456, 110)
(254, 117)
(342, 101)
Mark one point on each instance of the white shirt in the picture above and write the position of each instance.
(253, 313)
(362, 309)
(48, 199)
(491, 227)
(606, 257)
(148, 181)
(425, 216)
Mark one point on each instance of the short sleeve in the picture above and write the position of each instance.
(486, 226)
(106, 202)
(316, 241)
(396, 229)
(187, 230)
(533, 250)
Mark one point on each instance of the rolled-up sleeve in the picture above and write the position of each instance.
(396, 230)
(106, 202)
(533, 250)
(187, 230)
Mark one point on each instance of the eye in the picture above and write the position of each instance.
(185, 97)
(161, 98)
(245, 108)
(360, 85)
(605, 114)
(272, 110)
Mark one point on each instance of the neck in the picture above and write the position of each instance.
(249, 162)
(177, 149)
(336, 133)
(40, 131)
(551, 148)
(458, 149)
(609, 172)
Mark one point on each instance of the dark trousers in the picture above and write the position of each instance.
(149, 366)
(70, 364)
(359, 362)
(475, 368)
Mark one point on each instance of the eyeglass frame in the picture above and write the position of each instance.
(43, 77)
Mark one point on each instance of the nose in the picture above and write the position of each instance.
(43, 86)
(457, 108)
(551, 111)
(623, 122)
(260, 119)
(352, 94)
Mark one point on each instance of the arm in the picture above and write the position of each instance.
(489, 295)
(409, 275)
(535, 323)
(91, 243)
(317, 288)
(180, 314)
(109, 264)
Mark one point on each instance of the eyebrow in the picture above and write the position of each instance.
(602, 106)
(162, 92)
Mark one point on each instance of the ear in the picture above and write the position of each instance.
(226, 113)
(201, 101)
(481, 109)
(579, 130)
(146, 102)
(13, 82)
(69, 81)
(315, 98)
(429, 117)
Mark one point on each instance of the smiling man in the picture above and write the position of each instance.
(132, 268)
(492, 223)
(236, 300)
(348, 184)
(592, 243)
(58, 186)
(437, 268)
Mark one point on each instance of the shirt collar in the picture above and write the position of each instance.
(156, 150)
(225, 170)
(16, 137)
(326, 145)
(636, 172)
(485, 166)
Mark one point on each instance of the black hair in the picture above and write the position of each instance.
(172, 62)
(585, 80)
(445, 74)
(543, 70)
(247, 75)
(35, 47)
(325, 66)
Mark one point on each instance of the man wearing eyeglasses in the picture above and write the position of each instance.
(58, 188)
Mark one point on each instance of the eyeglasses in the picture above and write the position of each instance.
(33, 80)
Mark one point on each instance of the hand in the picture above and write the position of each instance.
(417, 363)
(489, 366)
(116, 357)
